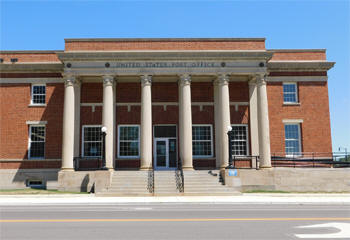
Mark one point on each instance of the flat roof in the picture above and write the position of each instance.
(296, 50)
(162, 39)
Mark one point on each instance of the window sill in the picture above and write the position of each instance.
(291, 104)
(37, 105)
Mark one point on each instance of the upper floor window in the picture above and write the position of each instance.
(240, 140)
(92, 141)
(36, 141)
(290, 93)
(292, 139)
(202, 141)
(129, 141)
(38, 94)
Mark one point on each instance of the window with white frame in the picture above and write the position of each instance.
(129, 141)
(290, 93)
(292, 139)
(202, 141)
(38, 94)
(92, 141)
(239, 140)
(36, 142)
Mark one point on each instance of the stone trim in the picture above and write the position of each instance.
(299, 65)
(292, 120)
(32, 67)
(31, 160)
(297, 79)
(36, 122)
(31, 80)
(164, 39)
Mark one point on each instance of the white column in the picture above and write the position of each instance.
(108, 118)
(217, 125)
(263, 123)
(146, 122)
(185, 122)
(68, 124)
(253, 119)
(223, 117)
(77, 90)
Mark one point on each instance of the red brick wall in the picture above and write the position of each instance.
(202, 92)
(128, 92)
(305, 55)
(30, 57)
(313, 109)
(239, 91)
(15, 111)
(164, 45)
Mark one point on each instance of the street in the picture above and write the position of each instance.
(173, 221)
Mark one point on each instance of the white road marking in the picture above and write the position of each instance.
(344, 231)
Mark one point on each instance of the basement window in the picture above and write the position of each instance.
(35, 183)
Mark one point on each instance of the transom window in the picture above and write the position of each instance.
(92, 141)
(36, 142)
(202, 141)
(38, 94)
(292, 139)
(239, 140)
(290, 93)
(129, 141)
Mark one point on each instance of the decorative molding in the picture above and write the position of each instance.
(108, 80)
(69, 80)
(32, 80)
(222, 79)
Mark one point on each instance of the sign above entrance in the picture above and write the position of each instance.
(174, 64)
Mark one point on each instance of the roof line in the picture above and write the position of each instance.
(297, 50)
(161, 39)
(30, 51)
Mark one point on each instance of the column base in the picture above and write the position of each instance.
(188, 168)
(145, 168)
(265, 166)
(67, 170)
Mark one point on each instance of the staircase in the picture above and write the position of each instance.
(138, 183)
(206, 183)
(128, 183)
(165, 183)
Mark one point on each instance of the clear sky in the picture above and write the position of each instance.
(43, 25)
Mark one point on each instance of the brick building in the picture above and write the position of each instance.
(160, 100)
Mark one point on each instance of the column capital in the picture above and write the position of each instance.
(222, 79)
(108, 80)
(146, 80)
(185, 79)
(261, 79)
(69, 80)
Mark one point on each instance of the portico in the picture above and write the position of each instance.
(222, 69)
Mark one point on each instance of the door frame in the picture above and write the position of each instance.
(167, 168)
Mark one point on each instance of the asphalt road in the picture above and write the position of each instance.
(173, 221)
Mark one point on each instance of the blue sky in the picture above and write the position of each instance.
(43, 25)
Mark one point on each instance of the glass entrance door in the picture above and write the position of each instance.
(165, 154)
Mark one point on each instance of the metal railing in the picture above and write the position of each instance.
(311, 159)
(237, 162)
(150, 180)
(179, 177)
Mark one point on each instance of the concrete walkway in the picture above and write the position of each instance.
(248, 198)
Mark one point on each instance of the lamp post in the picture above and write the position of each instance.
(103, 133)
(231, 163)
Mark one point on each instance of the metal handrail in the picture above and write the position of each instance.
(150, 180)
(179, 177)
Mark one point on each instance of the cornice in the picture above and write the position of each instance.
(31, 67)
(300, 66)
(163, 39)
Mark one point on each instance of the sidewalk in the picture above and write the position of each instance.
(247, 198)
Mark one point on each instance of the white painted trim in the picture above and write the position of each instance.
(23, 159)
(36, 122)
(139, 141)
(31, 94)
(31, 80)
(247, 140)
(30, 140)
(299, 139)
(292, 121)
(82, 141)
(296, 93)
(297, 79)
(239, 103)
(211, 141)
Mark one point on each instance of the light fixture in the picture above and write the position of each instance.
(229, 128)
(104, 129)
